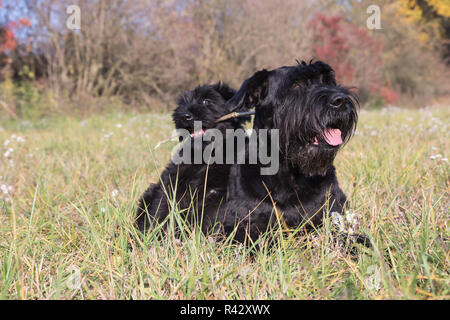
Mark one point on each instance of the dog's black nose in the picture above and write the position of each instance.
(187, 116)
(338, 100)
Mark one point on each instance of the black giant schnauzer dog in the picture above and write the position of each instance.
(198, 189)
(315, 118)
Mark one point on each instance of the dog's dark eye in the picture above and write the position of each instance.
(205, 102)
(295, 85)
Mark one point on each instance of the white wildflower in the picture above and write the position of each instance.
(4, 189)
(353, 220)
(107, 135)
(436, 156)
(8, 152)
(338, 220)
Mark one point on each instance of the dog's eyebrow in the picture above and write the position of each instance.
(185, 97)
(211, 95)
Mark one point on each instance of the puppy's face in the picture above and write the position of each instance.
(205, 103)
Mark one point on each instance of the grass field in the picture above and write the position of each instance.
(68, 192)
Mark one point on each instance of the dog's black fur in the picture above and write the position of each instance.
(302, 102)
(189, 183)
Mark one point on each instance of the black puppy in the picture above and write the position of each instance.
(198, 189)
(314, 117)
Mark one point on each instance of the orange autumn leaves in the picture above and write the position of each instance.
(8, 41)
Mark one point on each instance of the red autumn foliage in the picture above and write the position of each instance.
(389, 95)
(7, 39)
(25, 22)
(353, 52)
(332, 45)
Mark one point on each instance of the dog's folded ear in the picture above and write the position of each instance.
(224, 90)
(324, 70)
(251, 93)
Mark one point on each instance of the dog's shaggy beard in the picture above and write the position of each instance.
(303, 125)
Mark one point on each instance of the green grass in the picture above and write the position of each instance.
(72, 194)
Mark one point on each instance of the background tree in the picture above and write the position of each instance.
(434, 17)
(142, 54)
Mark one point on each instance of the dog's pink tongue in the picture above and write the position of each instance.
(198, 133)
(333, 137)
